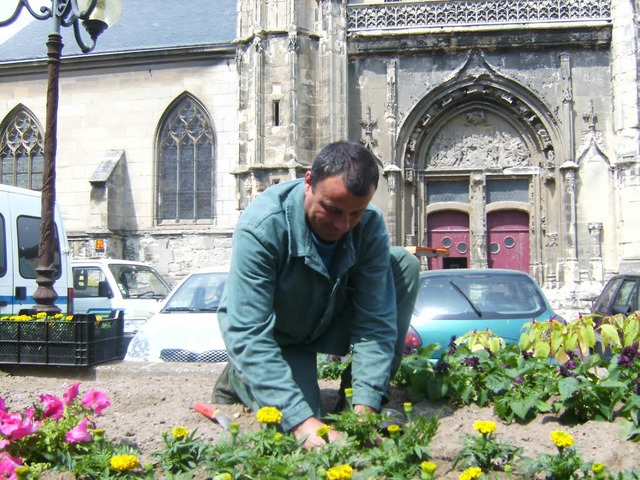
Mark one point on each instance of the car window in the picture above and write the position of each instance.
(606, 298)
(199, 292)
(627, 296)
(494, 296)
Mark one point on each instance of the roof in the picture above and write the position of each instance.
(143, 25)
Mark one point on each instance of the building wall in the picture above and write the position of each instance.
(107, 109)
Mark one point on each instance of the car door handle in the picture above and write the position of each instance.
(3, 303)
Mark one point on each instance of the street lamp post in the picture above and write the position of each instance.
(96, 16)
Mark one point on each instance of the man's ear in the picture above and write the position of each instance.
(307, 181)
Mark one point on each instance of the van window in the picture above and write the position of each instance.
(86, 282)
(28, 244)
(3, 248)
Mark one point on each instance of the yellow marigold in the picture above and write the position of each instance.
(179, 432)
(69, 318)
(41, 315)
(597, 467)
(124, 463)
(341, 472)
(278, 437)
(484, 427)
(393, 429)
(58, 316)
(428, 467)
(348, 392)
(323, 431)
(268, 415)
(223, 476)
(561, 439)
(471, 473)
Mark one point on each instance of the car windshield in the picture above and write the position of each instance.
(473, 296)
(199, 293)
(138, 281)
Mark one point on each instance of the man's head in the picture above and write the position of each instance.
(340, 185)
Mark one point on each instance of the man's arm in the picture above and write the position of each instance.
(247, 324)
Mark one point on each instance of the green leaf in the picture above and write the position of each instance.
(568, 386)
(541, 350)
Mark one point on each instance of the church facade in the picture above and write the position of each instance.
(505, 131)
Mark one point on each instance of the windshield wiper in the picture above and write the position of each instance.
(179, 309)
(473, 305)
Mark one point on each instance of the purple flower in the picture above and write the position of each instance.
(79, 433)
(441, 366)
(452, 345)
(564, 371)
(628, 355)
(473, 363)
(518, 380)
(637, 389)
(527, 355)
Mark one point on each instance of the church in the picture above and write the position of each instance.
(506, 131)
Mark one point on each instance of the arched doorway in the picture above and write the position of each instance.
(508, 240)
(449, 229)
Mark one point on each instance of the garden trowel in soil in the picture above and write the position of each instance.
(213, 413)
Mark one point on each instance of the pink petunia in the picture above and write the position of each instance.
(53, 406)
(16, 426)
(4, 443)
(3, 405)
(97, 398)
(79, 433)
(8, 465)
(70, 395)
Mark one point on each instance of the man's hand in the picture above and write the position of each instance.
(309, 429)
(363, 409)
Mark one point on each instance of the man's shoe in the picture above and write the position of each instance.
(223, 392)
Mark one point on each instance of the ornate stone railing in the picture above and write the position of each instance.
(455, 13)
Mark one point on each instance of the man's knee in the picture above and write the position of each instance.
(406, 270)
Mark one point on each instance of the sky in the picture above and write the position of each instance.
(7, 7)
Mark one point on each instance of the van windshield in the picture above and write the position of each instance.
(136, 281)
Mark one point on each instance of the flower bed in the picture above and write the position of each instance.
(78, 340)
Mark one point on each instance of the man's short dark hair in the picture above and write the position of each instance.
(353, 162)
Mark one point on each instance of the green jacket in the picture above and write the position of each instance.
(279, 293)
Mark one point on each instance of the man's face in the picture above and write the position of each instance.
(331, 209)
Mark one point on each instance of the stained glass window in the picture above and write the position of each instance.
(186, 164)
(21, 150)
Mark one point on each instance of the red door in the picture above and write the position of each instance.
(508, 240)
(449, 229)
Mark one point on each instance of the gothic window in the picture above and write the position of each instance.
(449, 191)
(186, 164)
(21, 150)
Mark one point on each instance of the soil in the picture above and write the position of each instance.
(151, 398)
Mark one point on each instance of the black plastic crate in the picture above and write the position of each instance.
(84, 341)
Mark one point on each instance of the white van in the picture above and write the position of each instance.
(103, 284)
(20, 210)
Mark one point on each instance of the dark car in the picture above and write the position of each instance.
(621, 294)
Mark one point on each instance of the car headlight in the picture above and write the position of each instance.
(139, 347)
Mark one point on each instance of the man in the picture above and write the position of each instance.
(312, 272)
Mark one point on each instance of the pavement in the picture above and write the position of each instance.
(117, 368)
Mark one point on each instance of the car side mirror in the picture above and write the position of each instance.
(104, 290)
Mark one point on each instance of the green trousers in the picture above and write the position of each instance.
(302, 359)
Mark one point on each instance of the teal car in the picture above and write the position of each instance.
(457, 301)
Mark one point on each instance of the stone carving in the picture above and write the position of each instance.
(367, 131)
(392, 89)
(467, 13)
(551, 240)
(565, 71)
(478, 144)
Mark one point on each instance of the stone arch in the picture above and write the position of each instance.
(502, 130)
(185, 165)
